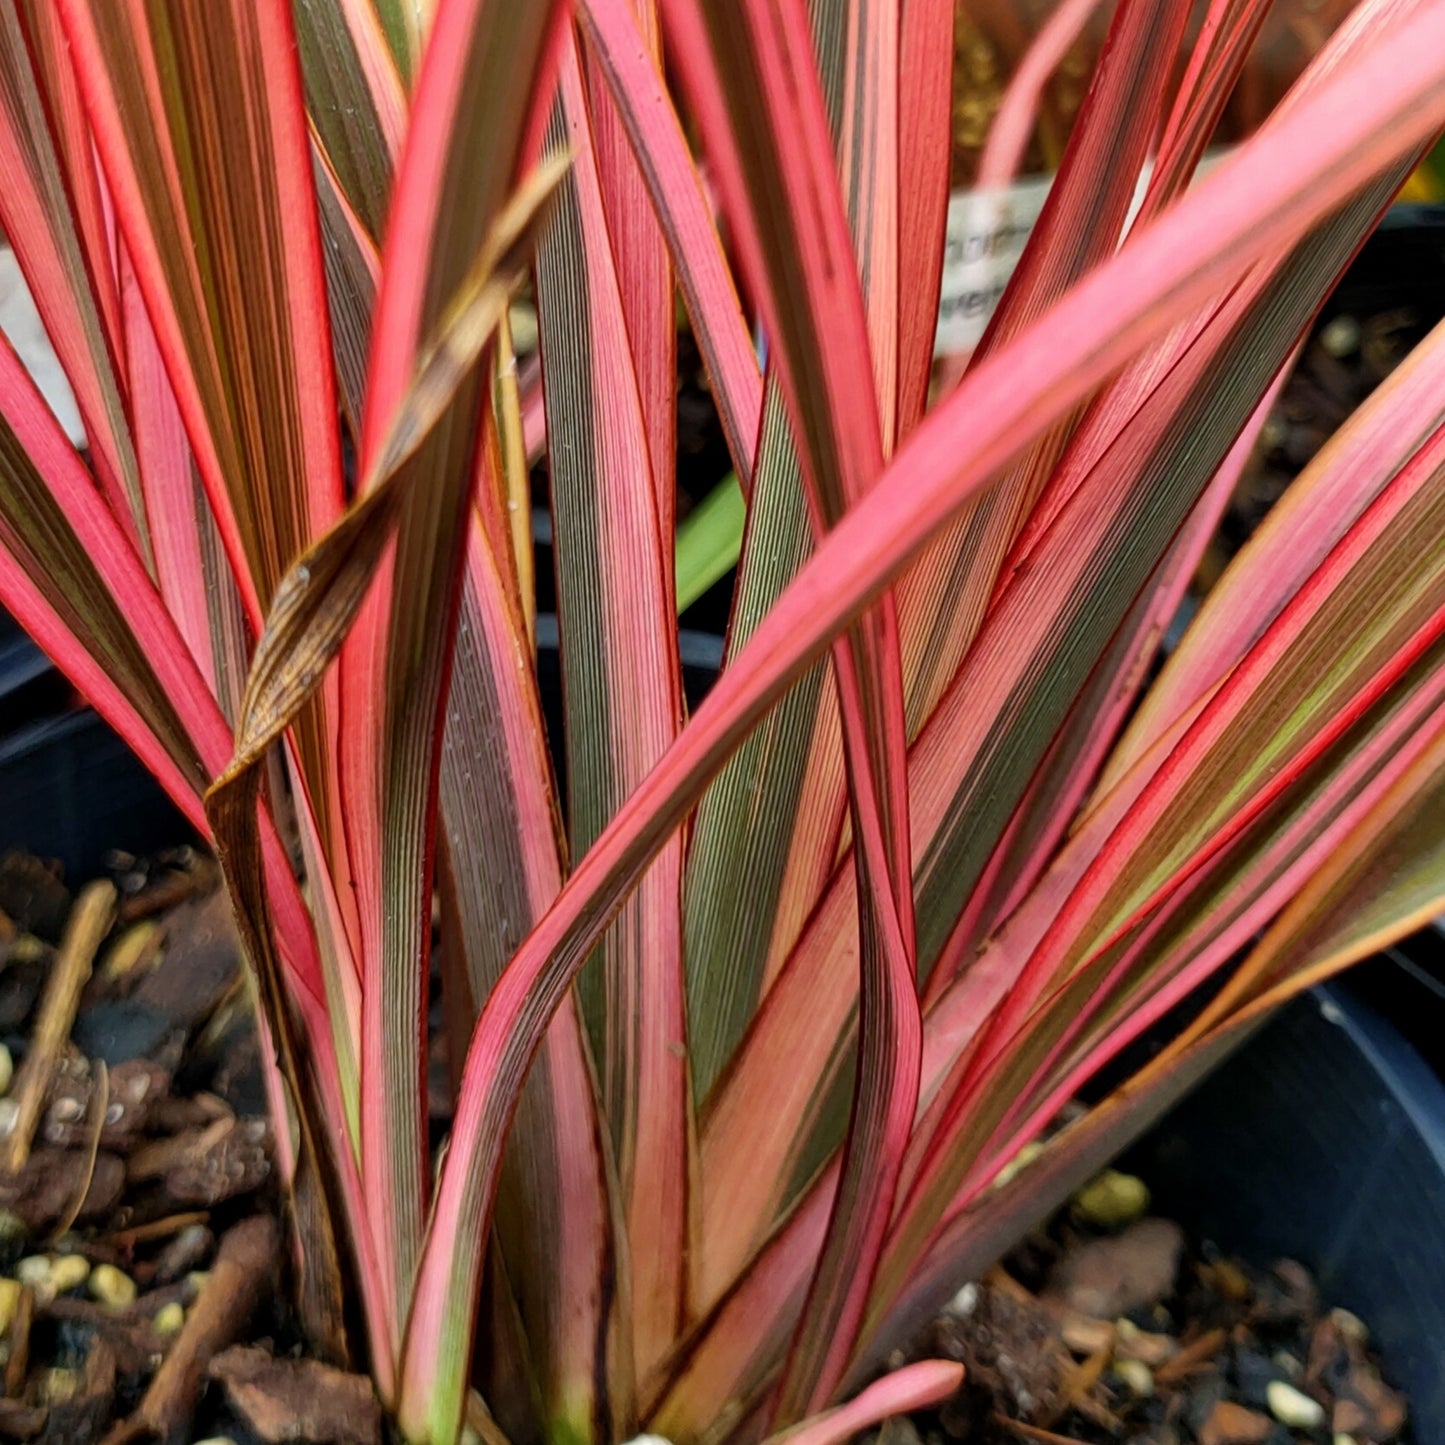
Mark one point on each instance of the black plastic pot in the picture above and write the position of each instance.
(1401, 265)
(1323, 1140)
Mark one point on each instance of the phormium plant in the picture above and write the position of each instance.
(748, 1021)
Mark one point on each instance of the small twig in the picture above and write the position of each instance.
(125, 1239)
(1033, 1432)
(244, 1266)
(88, 924)
(1079, 1380)
(1194, 1353)
(157, 1159)
(165, 892)
(17, 1367)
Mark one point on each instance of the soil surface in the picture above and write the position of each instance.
(1112, 1326)
(142, 1243)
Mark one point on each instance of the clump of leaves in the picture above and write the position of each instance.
(749, 1020)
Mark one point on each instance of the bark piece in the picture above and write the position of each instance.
(1233, 1424)
(48, 1185)
(200, 963)
(1106, 1278)
(89, 922)
(206, 1166)
(285, 1400)
(243, 1272)
(32, 895)
(135, 1088)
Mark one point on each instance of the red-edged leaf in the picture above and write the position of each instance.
(190, 563)
(925, 103)
(914, 1387)
(735, 1348)
(617, 633)
(1013, 122)
(981, 1233)
(752, 73)
(1277, 714)
(1086, 737)
(1379, 883)
(69, 574)
(95, 224)
(943, 601)
(1226, 34)
(974, 759)
(1315, 512)
(217, 280)
(620, 53)
(355, 100)
(199, 123)
(480, 75)
(498, 819)
(39, 224)
(644, 273)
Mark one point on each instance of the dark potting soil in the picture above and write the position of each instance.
(1138, 1335)
(143, 1284)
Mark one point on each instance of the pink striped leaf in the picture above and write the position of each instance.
(617, 633)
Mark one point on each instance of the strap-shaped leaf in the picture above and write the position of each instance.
(499, 822)
(70, 575)
(353, 263)
(449, 233)
(39, 224)
(1380, 883)
(622, 693)
(753, 78)
(70, 127)
(748, 894)
(914, 1387)
(925, 101)
(977, 1235)
(942, 604)
(972, 763)
(718, 1372)
(227, 272)
(199, 123)
(315, 606)
(1084, 741)
(1293, 697)
(354, 98)
(621, 54)
(1293, 539)
(190, 563)
(644, 272)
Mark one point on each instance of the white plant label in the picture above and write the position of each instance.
(985, 236)
(20, 321)
(984, 239)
